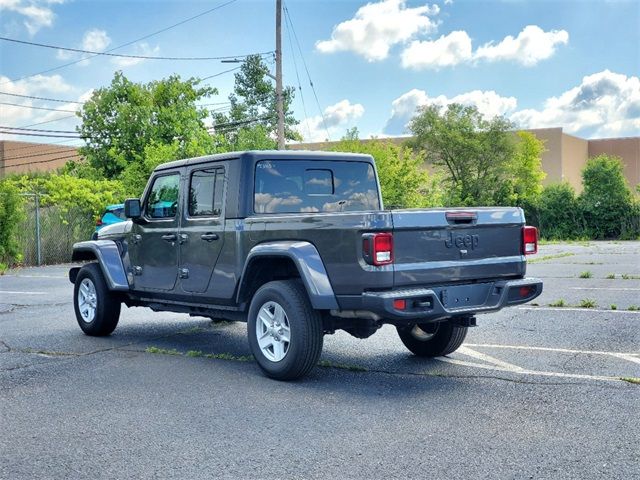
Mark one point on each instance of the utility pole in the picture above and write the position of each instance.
(279, 97)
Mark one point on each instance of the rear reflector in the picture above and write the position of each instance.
(529, 240)
(400, 304)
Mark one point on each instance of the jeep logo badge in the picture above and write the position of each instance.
(462, 241)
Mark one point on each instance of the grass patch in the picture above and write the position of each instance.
(194, 353)
(343, 366)
(626, 276)
(229, 356)
(611, 276)
(586, 274)
(587, 303)
(550, 257)
(634, 380)
(583, 242)
(220, 323)
(558, 303)
(163, 351)
(633, 308)
(3, 268)
(192, 330)
(613, 306)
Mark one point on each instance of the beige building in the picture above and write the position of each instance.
(565, 155)
(25, 157)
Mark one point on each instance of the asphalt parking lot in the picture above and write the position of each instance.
(537, 391)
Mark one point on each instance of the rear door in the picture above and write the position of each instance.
(202, 229)
(455, 245)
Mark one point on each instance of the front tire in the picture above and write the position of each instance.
(285, 332)
(432, 339)
(97, 309)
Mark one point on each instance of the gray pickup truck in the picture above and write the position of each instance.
(298, 245)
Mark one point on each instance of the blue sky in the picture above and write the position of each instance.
(568, 63)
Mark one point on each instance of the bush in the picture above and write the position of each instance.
(557, 214)
(607, 202)
(11, 216)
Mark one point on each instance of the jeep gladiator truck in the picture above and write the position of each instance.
(298, 245)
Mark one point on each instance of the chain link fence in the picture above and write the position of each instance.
(48, 233)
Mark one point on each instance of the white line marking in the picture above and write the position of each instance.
(548, 349)
(527, 372)
(605, 288)
(22, 293)
(489, 359)
(568, 309)
(36, 276)
(629, 358)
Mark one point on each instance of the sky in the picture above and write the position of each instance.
(573, 64)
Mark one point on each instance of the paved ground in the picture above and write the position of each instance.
(536, 392)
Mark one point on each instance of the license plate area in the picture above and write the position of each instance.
(463, 296)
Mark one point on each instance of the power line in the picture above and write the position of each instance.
(37, 134)
(313, 89)
(126, 44)
(49, 121)
(64, 157)
(218, 74)
(37, 108)
(240, 122)
(121, 55)
(41, 98)
(39, 130)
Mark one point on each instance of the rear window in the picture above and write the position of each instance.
(293, 186)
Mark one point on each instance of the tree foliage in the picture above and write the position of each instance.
(403, 180)
(251, 123)
(121, 120)
(476, 153)
(11, 216)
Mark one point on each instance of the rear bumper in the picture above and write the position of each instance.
(435, 303)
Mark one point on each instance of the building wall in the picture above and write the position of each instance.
(575, 152)
(552, 156)
(24, 157)
(628, 149)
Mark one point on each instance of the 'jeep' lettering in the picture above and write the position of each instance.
(462, 241)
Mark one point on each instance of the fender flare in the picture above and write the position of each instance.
(108, 256)
(307, 260)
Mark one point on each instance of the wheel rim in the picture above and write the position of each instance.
(422, 334)
(87, 300)
(273, 332)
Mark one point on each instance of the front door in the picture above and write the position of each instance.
(155, 244)
(202, 230)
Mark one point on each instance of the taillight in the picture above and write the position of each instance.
(99, 222)
(377, 248)
(529, 240)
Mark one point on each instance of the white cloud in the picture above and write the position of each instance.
(446, 51)
(403, 108)
(376, 27)
(531, 46)
(140, 49)
(36, 13)
(604, 104)
(337, 118)
(95, 40)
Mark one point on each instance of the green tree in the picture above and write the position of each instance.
(121, 120)
(525, 169)
(558, 215)
(476, 153)
(607, 201)
(403, 180)
(251, 122)
(11, 216)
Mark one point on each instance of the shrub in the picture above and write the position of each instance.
(11, 216)
(558, 214)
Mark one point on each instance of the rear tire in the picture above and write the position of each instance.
(97, 309)
(285, 332)
(432, 339)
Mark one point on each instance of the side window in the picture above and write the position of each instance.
(205, 193)
(162, 201)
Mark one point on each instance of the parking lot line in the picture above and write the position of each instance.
(22, 293)
(550, 349)
(489, 359)
(569, 309)
(626, 289)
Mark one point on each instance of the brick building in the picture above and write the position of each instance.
(25, 157)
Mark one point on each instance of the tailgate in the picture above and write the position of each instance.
(439, 246)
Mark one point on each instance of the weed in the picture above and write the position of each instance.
(194, 353)
(229, 356)
(626, 276)
(163, 351)
(611, 276)
(3, 268)
(558, 303)
(191, 331)
(587, 303)
(343, 366)
(633, 308)
(550, 257)
(634, 380)
(586, 274)
(220, 323)
(613, 306)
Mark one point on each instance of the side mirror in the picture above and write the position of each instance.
(132, 208)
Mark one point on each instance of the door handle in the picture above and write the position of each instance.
(170, 237)
(209, 237)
